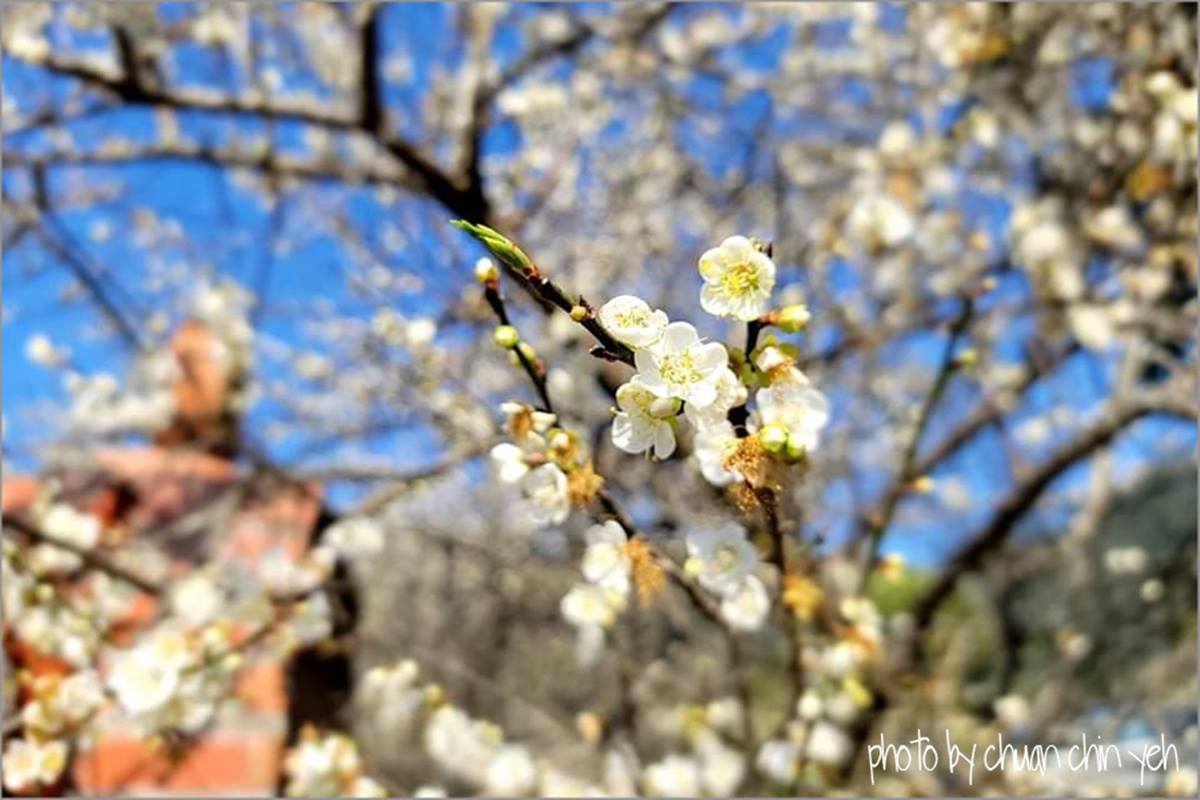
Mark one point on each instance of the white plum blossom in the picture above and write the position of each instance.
(605, 561)
(41, 351)
(511, 773)
(721, 558)
(591, 609)
(144, 681)
(462, 746)
(840, 659)
(738, 279)
(28, 763)
(680, 365)
(796, 406)
(713, 445)
(545, 489)
(746, 608)
(312, 620)
(631, 320)
(778, 759)
(510, 462)
(527, 424)
(79, 695)
(1125, 560)
(65, 524)
(674, 776)
(644, 420)
(809, 707)
(328, 765)
(589, 644)
(725, 714)
(355, 537)
(586, 605)
(731, 392)
(1152, 590)
(196, 599)
(721, 768)
(828, 744)
(879, 222)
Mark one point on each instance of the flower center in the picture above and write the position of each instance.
(679, 369)
(725, 558)
(631, 318)
(740, 279)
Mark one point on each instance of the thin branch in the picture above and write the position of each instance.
(1022, 497)
(535, 371)
(610, 506)
(878, 525)
(92, 559)
(60, 241)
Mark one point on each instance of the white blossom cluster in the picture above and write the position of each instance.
(68, 589)
(678, 373)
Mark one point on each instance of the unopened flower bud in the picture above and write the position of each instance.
(560, 441)
(794, 318)
(486, 271)
(579, 313)
(506, 336)
(590, 726)
(213, 639)
(923, 485)
(527, 350)
(500, 247)
(967, 358)
(774, 438)
(664, 407)
(435, 695)
(795, 449)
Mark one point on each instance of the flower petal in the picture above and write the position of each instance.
(629, 436)
(711, 357)
(648, 374)
(664, 440)
(701, 394)
(710, 264)
(677, 337)
(713, 300)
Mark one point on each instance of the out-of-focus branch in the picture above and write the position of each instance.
(878, 524)
(90, 558)
(430, 177)
(274, 164)
(1021, 498)
(986, 414)
(371, 116)
(60, 241)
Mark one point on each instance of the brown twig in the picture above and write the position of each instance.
(536, 372)
(877, 526)
(92, 559)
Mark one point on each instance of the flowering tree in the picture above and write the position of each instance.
(816, 315)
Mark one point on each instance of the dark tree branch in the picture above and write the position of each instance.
(90, 558)
(877, 526)
(1022, 497)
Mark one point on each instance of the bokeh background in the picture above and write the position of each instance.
(284, 175)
